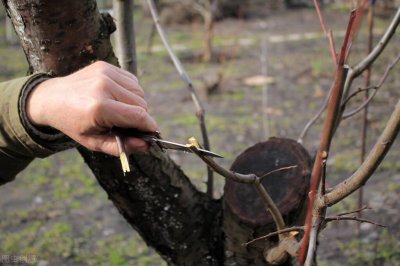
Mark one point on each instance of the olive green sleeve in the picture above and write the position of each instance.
(20, 142)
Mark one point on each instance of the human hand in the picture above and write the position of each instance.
(88, 103)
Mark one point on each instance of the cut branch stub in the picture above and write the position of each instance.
(287, 188)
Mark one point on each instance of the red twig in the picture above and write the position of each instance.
(359, 13)
(321, 20)
(332, 45)
(327, 133)
(329, 33)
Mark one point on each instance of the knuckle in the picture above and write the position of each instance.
(144, 105)
(100, 66)
(101, 83)
(94, 146)
(95, 108)
(140, 92)
(140, 114)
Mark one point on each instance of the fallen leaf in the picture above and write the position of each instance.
(258, 80)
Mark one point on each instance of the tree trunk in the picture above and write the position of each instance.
(125, 35)
(209, 28)
(185, 226)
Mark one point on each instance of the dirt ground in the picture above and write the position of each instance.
(57, 212)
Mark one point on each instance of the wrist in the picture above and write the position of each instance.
(36, 106)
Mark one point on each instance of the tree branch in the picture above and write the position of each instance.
(366, 102)
(286, 230)
(312, 246)
(355, 211)
(248, 179)
(125, 35)
(365, 171)
(370, 59)
(270, 205)
(329, 33)
(327, 134)
(366, 62)
(313, 120)
(350, 218)
(200, 112)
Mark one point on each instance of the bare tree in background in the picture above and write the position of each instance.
(185, 226)
(207, 9)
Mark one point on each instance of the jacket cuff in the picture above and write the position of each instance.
(20, 137)
(46, 137)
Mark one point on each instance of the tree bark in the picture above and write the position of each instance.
(125, 35)
(185, 226)
(209, 28)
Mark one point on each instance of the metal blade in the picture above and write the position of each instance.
(180, 147)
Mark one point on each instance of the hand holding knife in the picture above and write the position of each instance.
(154, 138)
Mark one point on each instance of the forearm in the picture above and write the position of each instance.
(20, 141)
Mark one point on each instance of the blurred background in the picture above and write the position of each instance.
(265, 72)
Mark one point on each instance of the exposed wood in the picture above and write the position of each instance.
(244, 214)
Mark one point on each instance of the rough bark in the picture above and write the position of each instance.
(183, 225)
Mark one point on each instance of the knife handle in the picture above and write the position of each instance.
(136, 133)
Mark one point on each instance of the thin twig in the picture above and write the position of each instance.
(332, 46)
(312, 248)
(286, 230)
(350, 77)
(355, 94)
(313, 120)
(200, 112)
(369, 99)
(367, 168)
(370, 59)
(278, 170)
(355, 211)
(351, 218)
(269, 204)
(329, 33)
(321, 20)
(241, 178)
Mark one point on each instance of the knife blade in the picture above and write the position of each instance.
(154, 137)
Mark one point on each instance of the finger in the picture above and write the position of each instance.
(123, 78)
(127, 82)
(125, 96)
(135, 144)
(108, 144)
(121, 71)
(102, 143)
(113, 113)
